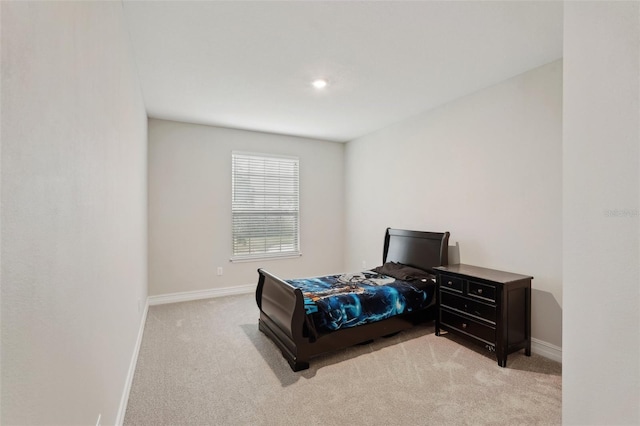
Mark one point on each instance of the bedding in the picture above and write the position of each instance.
(403, 272)
(335, 302)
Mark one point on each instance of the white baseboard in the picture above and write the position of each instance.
(546, 350)
(132, 368)
(200, 294)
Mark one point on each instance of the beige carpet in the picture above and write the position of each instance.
(206, 363)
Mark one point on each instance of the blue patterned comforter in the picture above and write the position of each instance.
(340, 301)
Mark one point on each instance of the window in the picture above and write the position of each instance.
(265, 206)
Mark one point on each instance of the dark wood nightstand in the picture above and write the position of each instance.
(492, 308)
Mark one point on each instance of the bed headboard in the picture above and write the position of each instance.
(423, 250)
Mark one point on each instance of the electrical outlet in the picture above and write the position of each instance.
(364, 264)
(220, 270)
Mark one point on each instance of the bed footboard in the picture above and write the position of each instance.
(282, 317)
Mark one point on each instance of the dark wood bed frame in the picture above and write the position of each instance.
(282, 314)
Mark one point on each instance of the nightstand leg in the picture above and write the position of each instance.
(502, 362)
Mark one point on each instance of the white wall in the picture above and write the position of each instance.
(487, 168)
(190, 206)
(601, 353)
(73, 211)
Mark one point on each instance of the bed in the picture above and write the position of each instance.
(287, 312)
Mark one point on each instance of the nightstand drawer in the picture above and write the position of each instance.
(468, 326)
(482, 291)
(451, 283)
(482, 310)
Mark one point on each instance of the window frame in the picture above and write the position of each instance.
(249, 257)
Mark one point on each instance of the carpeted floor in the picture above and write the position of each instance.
(206, 363)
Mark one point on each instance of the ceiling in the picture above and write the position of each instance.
(249, 65)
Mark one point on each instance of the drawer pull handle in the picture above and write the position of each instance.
(479, 291)
(464, 325)
(449, 283)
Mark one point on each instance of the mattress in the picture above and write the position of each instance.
(334, 302)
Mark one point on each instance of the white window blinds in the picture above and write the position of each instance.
(265, 206)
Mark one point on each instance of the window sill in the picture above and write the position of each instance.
(262, 257)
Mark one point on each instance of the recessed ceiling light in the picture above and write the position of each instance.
(319, 83)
